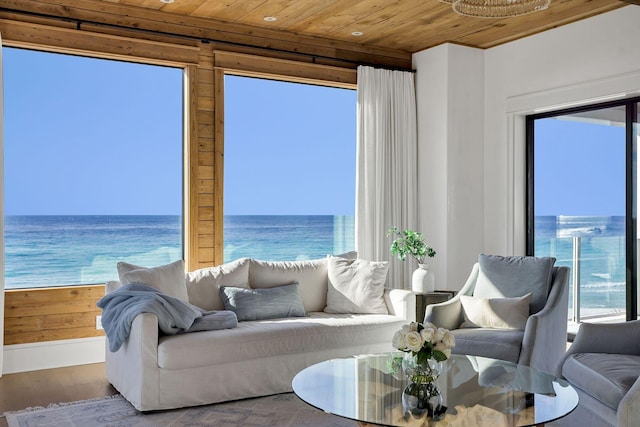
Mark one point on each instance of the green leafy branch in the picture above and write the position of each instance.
(409, 242)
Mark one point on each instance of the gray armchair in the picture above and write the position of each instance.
(603, 365)
(541, 343)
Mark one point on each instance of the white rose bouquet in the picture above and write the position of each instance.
(425, 341)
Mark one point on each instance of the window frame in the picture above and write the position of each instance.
(631, 195)
(28, 313)
(298, 82)
(244, 65)
(182, 143)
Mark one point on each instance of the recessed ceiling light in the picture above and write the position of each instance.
(167, 1)
(270, 18)
(357, 33)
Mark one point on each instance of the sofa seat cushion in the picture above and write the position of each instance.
(275, 337)
(503, 344)
(606, 377)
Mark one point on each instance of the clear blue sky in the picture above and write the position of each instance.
(88, 136)
(579, 168)
(290, 148)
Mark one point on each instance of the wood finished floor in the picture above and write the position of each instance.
(41, 388)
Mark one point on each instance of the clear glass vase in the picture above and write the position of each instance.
(422, 397)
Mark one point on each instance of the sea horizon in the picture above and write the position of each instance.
(83, 249)
(67, 250)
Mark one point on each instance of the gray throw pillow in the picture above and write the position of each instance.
(260, 304)
(515, 276)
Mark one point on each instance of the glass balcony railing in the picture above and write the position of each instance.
(597, 283)
(287, 237)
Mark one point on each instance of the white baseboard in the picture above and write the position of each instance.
(52, 354)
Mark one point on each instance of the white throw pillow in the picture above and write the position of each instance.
(168, 279)
(497, 313)
(310, 274)
(111, 286)
(203, 284)
(356, 286)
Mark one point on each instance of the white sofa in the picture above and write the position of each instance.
(256, 358)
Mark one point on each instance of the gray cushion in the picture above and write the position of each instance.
(260, 304)
(515, 276)
(606, 377)
(503, 344)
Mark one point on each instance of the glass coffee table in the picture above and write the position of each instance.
(476, 391)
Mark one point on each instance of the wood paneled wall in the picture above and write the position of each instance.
(63, 313)
(50, 314)
(204, 193)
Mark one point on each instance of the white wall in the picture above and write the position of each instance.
(579, 63)
(471, 135)
(53, 354)
(450, 103)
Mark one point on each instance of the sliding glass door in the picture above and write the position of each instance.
(582, 203)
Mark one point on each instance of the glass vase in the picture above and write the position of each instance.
(422, 397)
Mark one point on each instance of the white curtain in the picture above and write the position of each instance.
(386, 174)
(1, 214)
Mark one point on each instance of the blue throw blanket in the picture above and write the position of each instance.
(175, 316)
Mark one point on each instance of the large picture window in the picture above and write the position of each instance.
(93, 167)
(289, 174)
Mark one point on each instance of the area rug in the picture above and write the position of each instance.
(281, 410)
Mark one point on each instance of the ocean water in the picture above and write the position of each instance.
(287, 237)
(602, 256)
(71, 250)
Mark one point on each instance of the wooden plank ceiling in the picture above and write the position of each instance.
(406, 25)
(317, 31)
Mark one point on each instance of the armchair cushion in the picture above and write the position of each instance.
(515, 276)
(606, 377)
(503, 344)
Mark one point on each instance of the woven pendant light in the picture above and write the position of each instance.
(497, 8)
